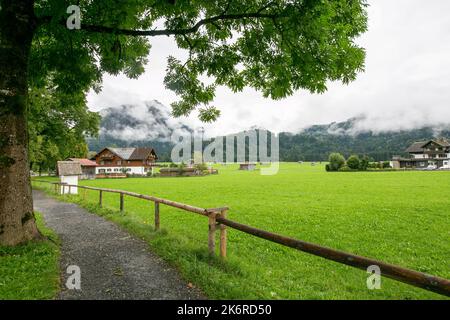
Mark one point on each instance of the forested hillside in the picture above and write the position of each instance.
(152, 125)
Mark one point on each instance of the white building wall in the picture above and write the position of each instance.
(446, 164)
(72, 180)
(130, 170)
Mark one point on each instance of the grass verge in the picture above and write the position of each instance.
(31, 271)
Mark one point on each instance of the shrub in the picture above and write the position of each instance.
(201, 166)
(364, 163)
(327, 167)
(345, 168)
(373, 165)
(353, 162)
(336, 161)
(386, 164)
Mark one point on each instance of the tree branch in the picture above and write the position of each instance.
(168, 32)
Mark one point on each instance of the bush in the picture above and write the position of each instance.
(201, 166)
(353, 162)
(364, 163)
(345, 168)
(386, 164)
(327, 167)
(372, 165)
(336, 161)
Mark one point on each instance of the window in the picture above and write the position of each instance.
(119, 162)
(102, 163)
(109, 170)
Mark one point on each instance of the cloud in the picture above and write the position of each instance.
(141, 121)
(406, 83)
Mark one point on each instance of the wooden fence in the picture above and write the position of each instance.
(217, 219)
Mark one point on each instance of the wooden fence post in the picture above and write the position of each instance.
(70, 190)
(156, 215)
(212, 233)
(223, 235)
(100, 198)
(121, 202)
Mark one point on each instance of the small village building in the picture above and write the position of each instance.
(87, 168)
(247, 166)
(425, 154)
(68, 172)
(120, 161)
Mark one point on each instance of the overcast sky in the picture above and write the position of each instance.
(406, 83)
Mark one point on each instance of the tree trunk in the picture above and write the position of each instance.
(17, 223)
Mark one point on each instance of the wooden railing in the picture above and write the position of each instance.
(217, 217)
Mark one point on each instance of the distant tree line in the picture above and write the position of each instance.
(337, 162)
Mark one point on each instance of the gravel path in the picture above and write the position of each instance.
(113, 264)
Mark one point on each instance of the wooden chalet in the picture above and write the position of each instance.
(425, 154)
(117, 161)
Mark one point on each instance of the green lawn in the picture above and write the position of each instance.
(30, 271)
(396, 217)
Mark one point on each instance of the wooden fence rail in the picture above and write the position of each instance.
(218, 217)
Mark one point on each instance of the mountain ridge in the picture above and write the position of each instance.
(151, 124)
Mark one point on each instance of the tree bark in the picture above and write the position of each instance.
(17, 25)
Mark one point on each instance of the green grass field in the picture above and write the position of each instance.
(30, 271)
(396, 217)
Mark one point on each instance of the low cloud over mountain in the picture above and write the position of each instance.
(150, 120)
(150, 124)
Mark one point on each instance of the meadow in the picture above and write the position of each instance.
(397, 217)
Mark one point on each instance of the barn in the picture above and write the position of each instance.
(247, 166)
(87, 168)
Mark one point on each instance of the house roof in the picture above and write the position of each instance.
(418, 146)
(441, 142)
(124, 153)
(84, 162)
(68, 168)
(141, 153)
(132, 153)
